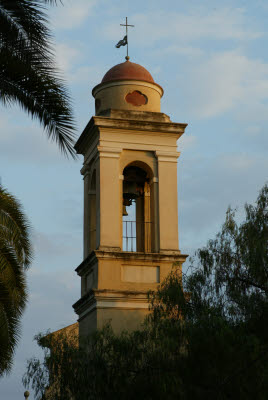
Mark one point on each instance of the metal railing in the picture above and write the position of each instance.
(137, 236)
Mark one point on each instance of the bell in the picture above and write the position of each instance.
(125, 210)
(129, 190)
(127, 202)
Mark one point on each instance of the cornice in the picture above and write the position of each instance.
(109, 298)
(165, 255)
(98, 122)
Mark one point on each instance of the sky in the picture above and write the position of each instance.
(211, 59)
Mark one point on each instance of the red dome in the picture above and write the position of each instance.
(127, 70)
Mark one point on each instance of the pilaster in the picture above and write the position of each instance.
(168, 201)
(109, 200)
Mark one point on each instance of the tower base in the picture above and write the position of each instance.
(115, 287)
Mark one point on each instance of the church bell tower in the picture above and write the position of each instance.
(130, 200)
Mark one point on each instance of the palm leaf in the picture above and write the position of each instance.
(15, 257)
(15, 226)
(28, 75)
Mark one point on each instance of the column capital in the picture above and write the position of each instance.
(167, 156)
(110, 152)
(153, 180)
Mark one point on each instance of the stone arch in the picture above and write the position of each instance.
(142, 165)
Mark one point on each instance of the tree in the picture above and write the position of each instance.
(15, 258)
(206, 337)
(28, 75)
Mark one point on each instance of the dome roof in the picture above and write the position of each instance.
(127, 70)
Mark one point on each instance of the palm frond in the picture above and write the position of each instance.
(15, 257)
(28, 75)
(15, 227)
(10, 330)
(13, 277)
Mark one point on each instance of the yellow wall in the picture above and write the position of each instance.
(113, 94)
(115, 283)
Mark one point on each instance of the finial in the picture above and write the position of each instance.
(26, 394)
(124, 41)
(127, 58)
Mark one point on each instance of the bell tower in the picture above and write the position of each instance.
(130, 199)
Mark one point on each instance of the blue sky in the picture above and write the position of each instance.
(211, 59)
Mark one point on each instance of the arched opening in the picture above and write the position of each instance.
(137, 221)
(92, 202)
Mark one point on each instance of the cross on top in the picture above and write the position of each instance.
(127, 25)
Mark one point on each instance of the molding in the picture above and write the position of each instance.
(140, 125)
(167, 156)
(89, 161)
(121, 177)
(97, 122)
(103, 298)
(172, 252)
(167, 159)
(109, 152)
(124, 82)
(89, 141)
(126, 257)
(109, 149)
(109, 249)
(135, 114)
(125, 305)
(91, 157)
(108, 155)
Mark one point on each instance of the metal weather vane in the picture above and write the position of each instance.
(124, 41)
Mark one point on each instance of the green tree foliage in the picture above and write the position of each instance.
(15, 258)
(206, 337)
(28, 75)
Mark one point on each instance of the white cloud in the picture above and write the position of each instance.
(223, 24)
(186, 142)
(180, 50)
(56, 244)
(237, 162)
(90, 76)
(207, 186)
(71, 59)
(23, 139)
(72, 14)
(226, 81)
(253, 130)
(67, 56)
